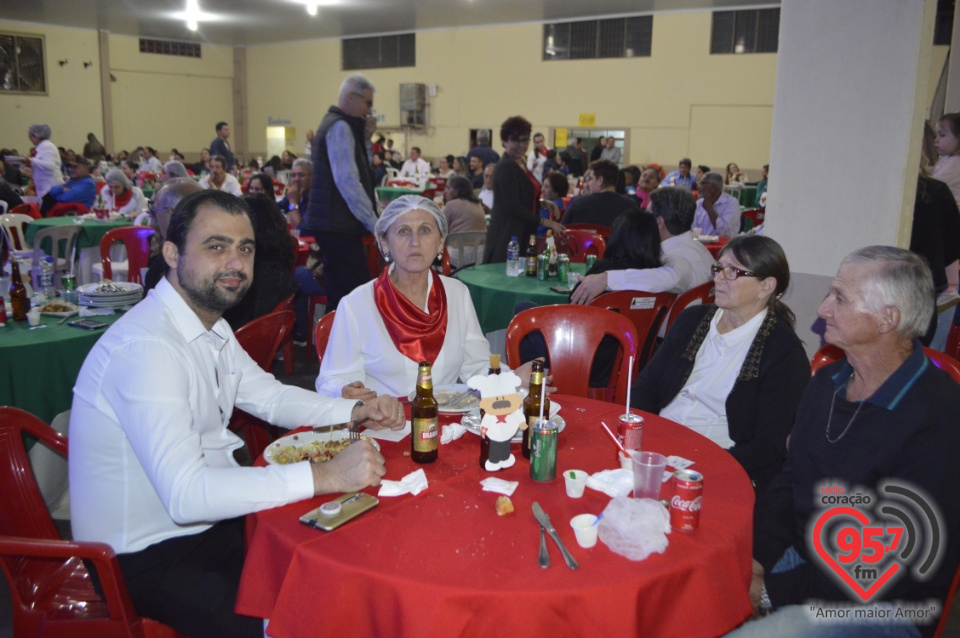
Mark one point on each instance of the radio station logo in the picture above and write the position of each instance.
(870, 542)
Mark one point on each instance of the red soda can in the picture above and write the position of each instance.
(630, 432)
(686, 500)
(3, 312)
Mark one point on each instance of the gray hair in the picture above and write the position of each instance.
(40, 130)
(675, 206)
(116, 176)
(403, 205)
(483, 136)
(714, 179)
(303, 161)
(356, 83)
(174, 168)
(902, 280)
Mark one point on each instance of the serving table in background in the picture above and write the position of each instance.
(38, 368)
(442, 563)
(88, 242)
(495, 295)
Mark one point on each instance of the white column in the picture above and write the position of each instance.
(847, 127)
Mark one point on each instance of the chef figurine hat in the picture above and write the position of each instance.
(495, 385)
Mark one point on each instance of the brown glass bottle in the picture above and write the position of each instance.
(531, 261)
(425, 437)
(494, 364)
(531, 405)
(19, 301)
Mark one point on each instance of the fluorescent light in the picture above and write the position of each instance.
(311, 9)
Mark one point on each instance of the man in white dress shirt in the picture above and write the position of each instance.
(686, 263)
(219, 179)
(151, 459)
(717, 213)
(416, 168)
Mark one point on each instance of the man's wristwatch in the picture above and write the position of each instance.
(765, 605)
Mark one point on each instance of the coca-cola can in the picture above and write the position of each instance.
(630, 432)
(686, 500)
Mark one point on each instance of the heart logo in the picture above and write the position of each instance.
(864, 594)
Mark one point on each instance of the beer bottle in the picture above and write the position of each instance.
(531, 261)
(531, 405)
(552, 262)
(494, 364)
(425, 437)
(19, 302)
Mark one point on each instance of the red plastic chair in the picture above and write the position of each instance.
(321, 335)
(953, 341)
(261, 338)
(136, 240)
(603, 231)
(704, 293)
(756, 216)
(830, 353)
(287, 346)
(647, 311)
(375, 261)
(99, 186)
(947, 605)
(573, 334)
(50, 587)
(27, 209)
(580, 243)
(68, 208)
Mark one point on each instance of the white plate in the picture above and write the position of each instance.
(444, 393)
(518, 437)
(128, 288)
(303, 438)
(708, 239)
(68, 313)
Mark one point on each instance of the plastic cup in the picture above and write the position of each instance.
(576, 481)
(648, 470)
(696, 230)
(585, 530)
(626, 462)
(33, 317)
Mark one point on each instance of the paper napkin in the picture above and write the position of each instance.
(493, 484)
(613, 483)
(412, 483)
(389, 435)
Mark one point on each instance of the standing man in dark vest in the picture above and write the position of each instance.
(342, 202)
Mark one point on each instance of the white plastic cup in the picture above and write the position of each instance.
(626, 462)
(585, 530)
(576, 482)
(696, 230)
(33, 317)
(648, 470)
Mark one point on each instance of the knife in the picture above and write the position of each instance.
(544, 520)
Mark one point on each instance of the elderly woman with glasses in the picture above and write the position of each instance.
(735, 371)
(121, 196)
(516, 194)
(386, 327)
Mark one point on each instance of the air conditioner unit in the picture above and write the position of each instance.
(413, 105)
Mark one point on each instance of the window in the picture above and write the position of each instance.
(754, 31)
(379, 52)
(22, 67)
(589, 39)
(166, 47)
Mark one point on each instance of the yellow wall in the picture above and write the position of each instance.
(72, 106)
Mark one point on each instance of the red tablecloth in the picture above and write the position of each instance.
(716, 246)
(444, 564)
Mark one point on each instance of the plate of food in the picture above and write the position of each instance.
(58, 309)
(309, 446)
(456, 398)
(472, 423)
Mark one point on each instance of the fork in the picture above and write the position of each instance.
(456, 399)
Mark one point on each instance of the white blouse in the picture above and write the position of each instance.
(360, 348)
(701, 404)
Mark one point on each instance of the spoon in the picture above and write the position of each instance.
(544, 558)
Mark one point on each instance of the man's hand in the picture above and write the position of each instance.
(357, 467)
(524, 373)
(756, 585)
(383, 413)
(356, 390)
(556, 227)
(293, 194)
(589, 289)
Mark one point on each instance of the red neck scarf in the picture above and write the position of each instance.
(416, 334)
(536, 190)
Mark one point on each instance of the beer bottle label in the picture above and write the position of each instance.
(536, 378)
(425, 434)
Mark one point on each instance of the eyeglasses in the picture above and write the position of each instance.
(363, 99)
(731, 273)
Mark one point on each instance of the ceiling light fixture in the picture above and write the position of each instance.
(192, 14)
(311, 9)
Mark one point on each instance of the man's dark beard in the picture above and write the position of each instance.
(213, 298)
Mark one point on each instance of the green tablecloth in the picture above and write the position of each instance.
(746, 195)
(91, 230)
(390, 193)
(495, 295)
(38, 368)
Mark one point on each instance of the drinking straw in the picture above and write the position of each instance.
(543, 393)
(615, 440)
(629, 384)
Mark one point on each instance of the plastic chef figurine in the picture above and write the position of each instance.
(503, 415)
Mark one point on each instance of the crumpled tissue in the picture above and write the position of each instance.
(94, 312)
(613, 483)
(493, 484)
(412, 483)
(451, 432)
(635, 527)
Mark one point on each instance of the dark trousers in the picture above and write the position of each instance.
(344, 264)
(190, 583)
